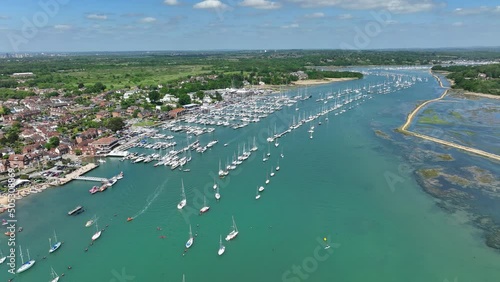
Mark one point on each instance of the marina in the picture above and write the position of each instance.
(179, 170)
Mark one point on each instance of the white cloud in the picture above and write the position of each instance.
(344, 17)
(3, 17)
(394, 6)
(171, 2)
(294, 25)
(315, 15)
(210, 4)
(62, 26)
(260, 4)
(457, 24)
(477, 10)
(97, 17)
(148, 20)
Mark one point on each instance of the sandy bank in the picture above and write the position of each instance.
(321, 81)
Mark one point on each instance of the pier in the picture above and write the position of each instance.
(89, 178)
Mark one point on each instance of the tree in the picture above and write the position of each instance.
(154, 96)
(166, 108)
(184, 99)
(200, 95)
(52, 143)
(4, 110)
(135, 113)
(80, 85)
(115, 123)
(78, 152)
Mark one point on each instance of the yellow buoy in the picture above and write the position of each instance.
(324, 239)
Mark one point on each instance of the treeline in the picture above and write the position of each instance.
(482, 79)
(314, 74)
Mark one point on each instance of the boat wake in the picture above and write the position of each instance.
(151, 198)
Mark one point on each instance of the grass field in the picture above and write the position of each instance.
(119, 77)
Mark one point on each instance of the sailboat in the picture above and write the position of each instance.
(258, 195)
(91, 221)
(233, 233)
(205, 208)
(264, 158)
(97, 234)
(183, 201)
(222, 248)
(54, 275)
(278, 166)
(276, 144)
(217, 194)
(267, 179)
(2, 258)
(190, 241)
(254, 147)
(25, 265)
(215, 184)
(56, 246)
(261, 188)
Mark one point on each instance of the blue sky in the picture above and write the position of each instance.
(136, 25)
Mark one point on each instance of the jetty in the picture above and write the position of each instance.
(89, 178)
(403, 129)
(77, 173)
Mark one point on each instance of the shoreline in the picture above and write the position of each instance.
(24, 192)
(321, 81)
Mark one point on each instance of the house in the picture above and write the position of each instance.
(88, 134)
(32, 148)
(62, 149)
(4, 165)
(102, 114)
(176, 112)
(104, 145)
(18, 161)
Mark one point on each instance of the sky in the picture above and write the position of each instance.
(154, 25)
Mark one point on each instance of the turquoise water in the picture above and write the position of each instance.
(345, 184)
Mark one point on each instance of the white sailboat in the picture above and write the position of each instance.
(183, 201)
(222, 248)
(205, 208)
(97, 234)
(278, 166)
(267, 179)
(276, 144)
(261, 189)
(190, 241)
(233, 233)
(56, 246)
(215, 184)
(91, 221)
(254, 147)
(54, 275)
(2, 258)
(257, 196)
(25, 265)
(217, 194)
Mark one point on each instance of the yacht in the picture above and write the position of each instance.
(25, 265)
(190, 241)
(222, 248)
(205, 208)
(97, 234)
(183, 201)
(233, 232)
(56, 246)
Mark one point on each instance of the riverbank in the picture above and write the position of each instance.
(37, 188)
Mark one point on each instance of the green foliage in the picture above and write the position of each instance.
(52, 143)
(166, 108)
(4, 110)
(467, 77)
(154, 96)
(184, 99)
(200, 95)
(114, 123)
(78, 152)
(315, 74)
